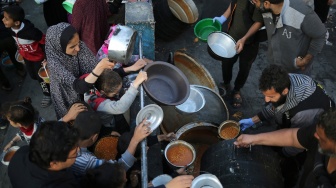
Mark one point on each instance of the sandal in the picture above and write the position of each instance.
(237, 101)
(46, 101)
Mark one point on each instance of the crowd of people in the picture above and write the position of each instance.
(85, 92)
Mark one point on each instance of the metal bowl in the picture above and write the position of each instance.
(194, 103)
(229, 130)
(206, 180)
(166, 84)
(180, 142)
(222, 44)
(153, 113)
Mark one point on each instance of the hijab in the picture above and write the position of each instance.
(63, 68)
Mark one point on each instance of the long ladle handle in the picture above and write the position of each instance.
(144, 166)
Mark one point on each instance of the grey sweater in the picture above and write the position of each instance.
(108, 107)
(298, 32)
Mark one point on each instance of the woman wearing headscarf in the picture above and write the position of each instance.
(68, 59)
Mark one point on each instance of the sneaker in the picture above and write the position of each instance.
(6, 87)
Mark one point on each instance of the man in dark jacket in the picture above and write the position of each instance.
(245, 21)
(45, 162)
(293, 100)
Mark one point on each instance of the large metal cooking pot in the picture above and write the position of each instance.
(121, 44)
(198, 132)
(196, 73)
(222, 44)
(166, 84)
(214, 111)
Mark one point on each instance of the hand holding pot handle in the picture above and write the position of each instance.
(246, 123)
(142, 76)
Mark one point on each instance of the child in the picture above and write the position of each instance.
(89, 124)
(105, 99)
(30, 42)
(22, 115)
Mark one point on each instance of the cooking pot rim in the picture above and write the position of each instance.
(183, 143)
(224, 123)
(226, 35)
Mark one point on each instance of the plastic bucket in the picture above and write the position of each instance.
(206, 26)
(68, 5)
(44, 75)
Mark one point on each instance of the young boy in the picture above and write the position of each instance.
(88, 123)
(105, 99)
(30, 42)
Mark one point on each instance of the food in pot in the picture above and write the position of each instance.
(179, 155)
(229, 131)
(106, 148)
(43, 73)
(9, 155)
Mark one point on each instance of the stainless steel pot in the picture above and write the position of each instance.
(121, 44)
(214, 111)
(166, 84)
(180, 142)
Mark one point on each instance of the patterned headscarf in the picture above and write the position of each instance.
(64, 69)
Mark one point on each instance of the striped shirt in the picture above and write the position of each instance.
(88, 161)
(301, 87)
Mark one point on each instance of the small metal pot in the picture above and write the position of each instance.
(121, 44)
(180, 142)
(231, 131)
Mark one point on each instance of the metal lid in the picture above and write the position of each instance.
(206, 180)
(153, 113)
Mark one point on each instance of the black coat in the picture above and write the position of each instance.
(23, 173)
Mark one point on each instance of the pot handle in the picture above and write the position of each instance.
(171, 58)
(117, 30)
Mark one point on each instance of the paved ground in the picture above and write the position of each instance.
(324, 69)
